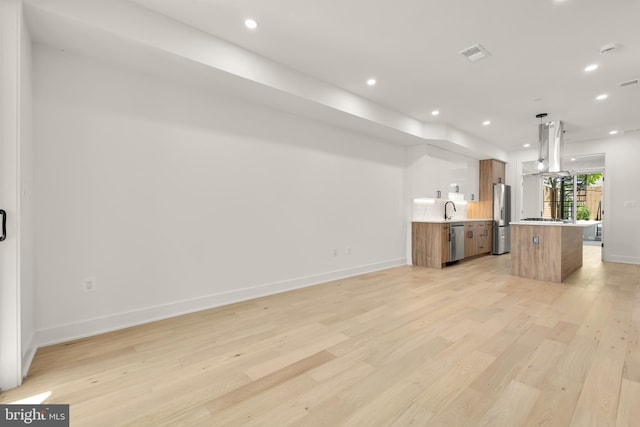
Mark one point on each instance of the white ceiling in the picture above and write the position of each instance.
(539, 49)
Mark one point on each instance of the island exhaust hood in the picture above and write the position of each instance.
(551, 146)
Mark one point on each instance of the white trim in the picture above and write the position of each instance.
(623, 259)
(28, 355)
(10, 331)
(98, 325)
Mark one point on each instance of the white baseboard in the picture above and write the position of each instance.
(28, 355)
(624, 259)
(98, 325)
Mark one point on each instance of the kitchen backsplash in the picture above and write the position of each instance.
(426, 209)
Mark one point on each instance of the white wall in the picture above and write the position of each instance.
(621, 234)
(176, 200)
(430, 169)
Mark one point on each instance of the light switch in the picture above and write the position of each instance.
(536, 240)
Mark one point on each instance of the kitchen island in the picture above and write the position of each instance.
(549, 251)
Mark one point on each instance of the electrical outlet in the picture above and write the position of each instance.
(89, 284)
(335, 252)
(348, 250)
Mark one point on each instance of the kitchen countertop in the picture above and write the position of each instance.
(446, 221)
(550, 223)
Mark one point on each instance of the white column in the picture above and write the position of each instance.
(10, 39)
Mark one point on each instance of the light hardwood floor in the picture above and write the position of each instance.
(468, 345)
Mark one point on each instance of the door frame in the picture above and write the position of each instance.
(10, 315)
(588, 171)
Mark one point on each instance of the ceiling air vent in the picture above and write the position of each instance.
(475, 53)
(629, 83)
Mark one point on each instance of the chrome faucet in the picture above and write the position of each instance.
(445, 209)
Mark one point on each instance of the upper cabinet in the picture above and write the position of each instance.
(491, 172)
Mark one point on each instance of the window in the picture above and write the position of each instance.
(559, 198)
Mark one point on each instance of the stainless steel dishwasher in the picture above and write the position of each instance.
(456, 241)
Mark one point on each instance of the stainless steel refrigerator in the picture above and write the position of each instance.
(501, 219)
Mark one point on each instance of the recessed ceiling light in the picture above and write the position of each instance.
(371, 82)
(486, 123)
(613, 132)
(527, 145)
(435, 112)
(251, 23)
(573, 159)
(591, 67)
(601, 97)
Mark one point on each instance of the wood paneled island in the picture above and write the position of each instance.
(545, 250)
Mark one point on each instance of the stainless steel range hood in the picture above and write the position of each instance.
(550, 137)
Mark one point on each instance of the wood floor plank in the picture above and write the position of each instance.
(512, 407)
(463, 411)
(466, 345)
(296, 396)
(452, 383)
(502, 371)
(412, 416)
(385, 408)
(598, 402)
(556, 403)
(541, 362)
(576, 361)
(628, 407)
(632, 358)
(293, 356)
(258, 406)
(326, 413)
(270, 380)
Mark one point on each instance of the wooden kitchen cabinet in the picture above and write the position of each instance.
(491, 172)
(545, 252)
(477, 238)
(470, 240)
(429, 244)
(445, 240)
(483, 236)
